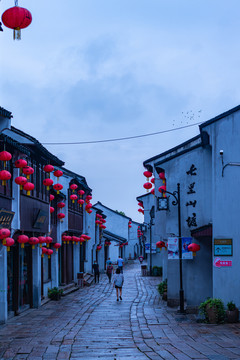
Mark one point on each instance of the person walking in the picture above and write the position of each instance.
(118, 281)
(120, 264)
(109, 271)
(96, 271)
(108, 262)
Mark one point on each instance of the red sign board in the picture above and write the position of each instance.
(222, 263)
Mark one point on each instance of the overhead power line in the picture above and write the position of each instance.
(119, 139)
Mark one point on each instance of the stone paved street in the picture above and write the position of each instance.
(91, 324)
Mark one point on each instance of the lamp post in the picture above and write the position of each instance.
(177, 202)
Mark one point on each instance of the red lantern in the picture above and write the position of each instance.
(86, 237)
(153, 180)
(162, 175)
(58, 174)
(49, 252)
(80, 202)
(5, 156)
(42, 240)
(98, 222)
(103, 221)
(98, 216)
(81, 240)
(9, 242)
(17, 18)
(57, 246)
(88, 198)
(33, 241)
(68, 238)
(74, 239)
(48, 168)
(20, 163)
(4, 176)
(48, 240)
(64, 239)
(99, 247)
(103, 227)
(28, 170)
(61, 216)
(22, 239)
(141, 211)
(90, 211)
(73, 197)
(129, 226)
(44, 251)
(57, 187)
(52, 209)
(21, 180)
(51, 197)
(194, 248)
(81, 193)
(152, 191)
(4, 234)
(148, 174)
(140, 204)
(147, 186)
(73, 187)
(160, 244)
(47, 182)
(61, 205)
(162, 189)
(29, 187)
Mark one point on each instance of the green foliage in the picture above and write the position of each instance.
(120, 212)
(231, 306)
(217, 305)
(157, 270)
(162, 287)
(55, 293)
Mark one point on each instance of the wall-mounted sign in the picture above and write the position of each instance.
(223, 247)
(217, 262)
(40, 219)
(6, 217)
(147, 248)
(173, 250)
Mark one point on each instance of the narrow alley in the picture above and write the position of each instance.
(91, 324)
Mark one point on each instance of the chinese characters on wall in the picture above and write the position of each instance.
(191, 203)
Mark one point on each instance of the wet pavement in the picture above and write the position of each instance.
(91, 324)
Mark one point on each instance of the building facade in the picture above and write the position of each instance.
(206, 168)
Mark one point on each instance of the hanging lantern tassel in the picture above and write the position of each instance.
(4, 242)
(17, 34)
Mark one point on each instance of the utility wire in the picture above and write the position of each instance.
(120, 139)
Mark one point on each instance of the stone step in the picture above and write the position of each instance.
(88, 279)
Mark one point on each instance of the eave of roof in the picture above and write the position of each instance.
(202, 232)
(114, 236)
(219, 117)
(175, 148)
(54, 159)
(15, 144)
(81, 179)
(5, 113)
(114, 211)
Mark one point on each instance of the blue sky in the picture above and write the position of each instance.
(96, 69)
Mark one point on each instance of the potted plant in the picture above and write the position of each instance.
(162, 289)
(213, 310)
(55, 293)
(232, 313)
